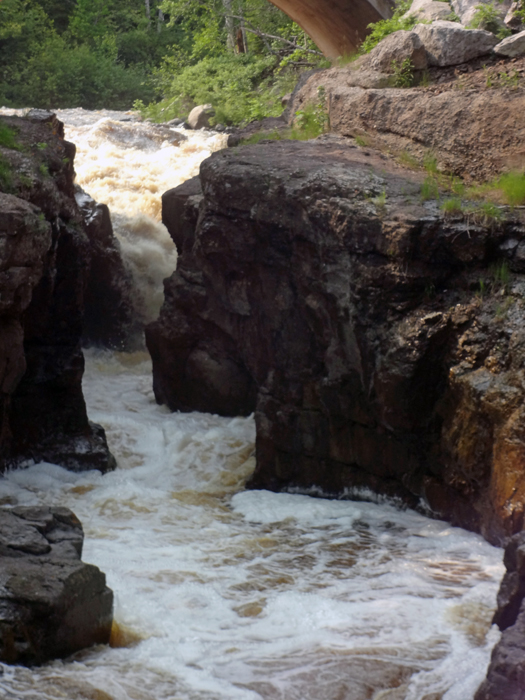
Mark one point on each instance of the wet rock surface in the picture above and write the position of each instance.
(318, 289)
(51, 603)
(44, 273)
(109, 314)
(506, 674)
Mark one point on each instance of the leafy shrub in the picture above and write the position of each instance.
(8, 137)
(488, 17)
(403, 73)
(238, 86)
(385, 27)
(59, 75)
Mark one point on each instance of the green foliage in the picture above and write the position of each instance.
(403, 73)
(430, 163)
(488, 17)
(452, 206)
(41, 67)
(92, 53)
(361, 140)
(513, 187)
(8, 138)
(501, 275)
(408, 160)
(429, 189)
(236, 85)
(490, 213)
(313, 120)
(6, 175)
(511, 80)
(381, 29)
(508, 189)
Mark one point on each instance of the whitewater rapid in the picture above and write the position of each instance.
(222, 593)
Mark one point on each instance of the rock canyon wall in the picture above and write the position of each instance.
(372, 335)
(49, 255)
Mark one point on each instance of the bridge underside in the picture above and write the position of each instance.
(336, 26)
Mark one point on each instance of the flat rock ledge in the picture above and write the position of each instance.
(51, 603)
(506, 674)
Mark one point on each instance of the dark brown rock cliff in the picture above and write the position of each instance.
(45, 257)
(379, 343)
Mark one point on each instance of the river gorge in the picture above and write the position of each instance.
(222, 592)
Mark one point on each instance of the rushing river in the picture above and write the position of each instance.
(222, 593)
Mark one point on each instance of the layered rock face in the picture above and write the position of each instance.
(474, 132)
(44, 268)
(380, 344)
(52, 603)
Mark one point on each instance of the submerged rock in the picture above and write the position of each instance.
(46, 255)
(52, 603)
(317, 289)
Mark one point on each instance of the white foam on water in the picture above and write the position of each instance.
(227, 593)
(128, 165)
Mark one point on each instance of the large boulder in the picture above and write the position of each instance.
(43, 278)
(429, 10)
(318, 289)
(396, 48)
(448, 43)
(52, 603)
(511, 46)
(199, 117)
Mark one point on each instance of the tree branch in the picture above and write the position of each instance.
(264, 36)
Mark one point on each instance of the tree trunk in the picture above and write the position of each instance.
(160, 20)
(230, 27)
(148, 9)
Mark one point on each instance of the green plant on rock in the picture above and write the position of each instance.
(8, 138)
(452, 206)
(482, 288)
(381, 29)
(6, 175)
(430, 163)
(488, 17)
(429, 189)
(501, 275)
(403, 73)
(313, 119)
(511, 80)
(513, 187)
(361, 140)
(490, 213)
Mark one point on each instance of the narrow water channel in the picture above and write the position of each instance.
(227, 593)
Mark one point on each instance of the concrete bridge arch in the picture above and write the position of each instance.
(336, 26)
